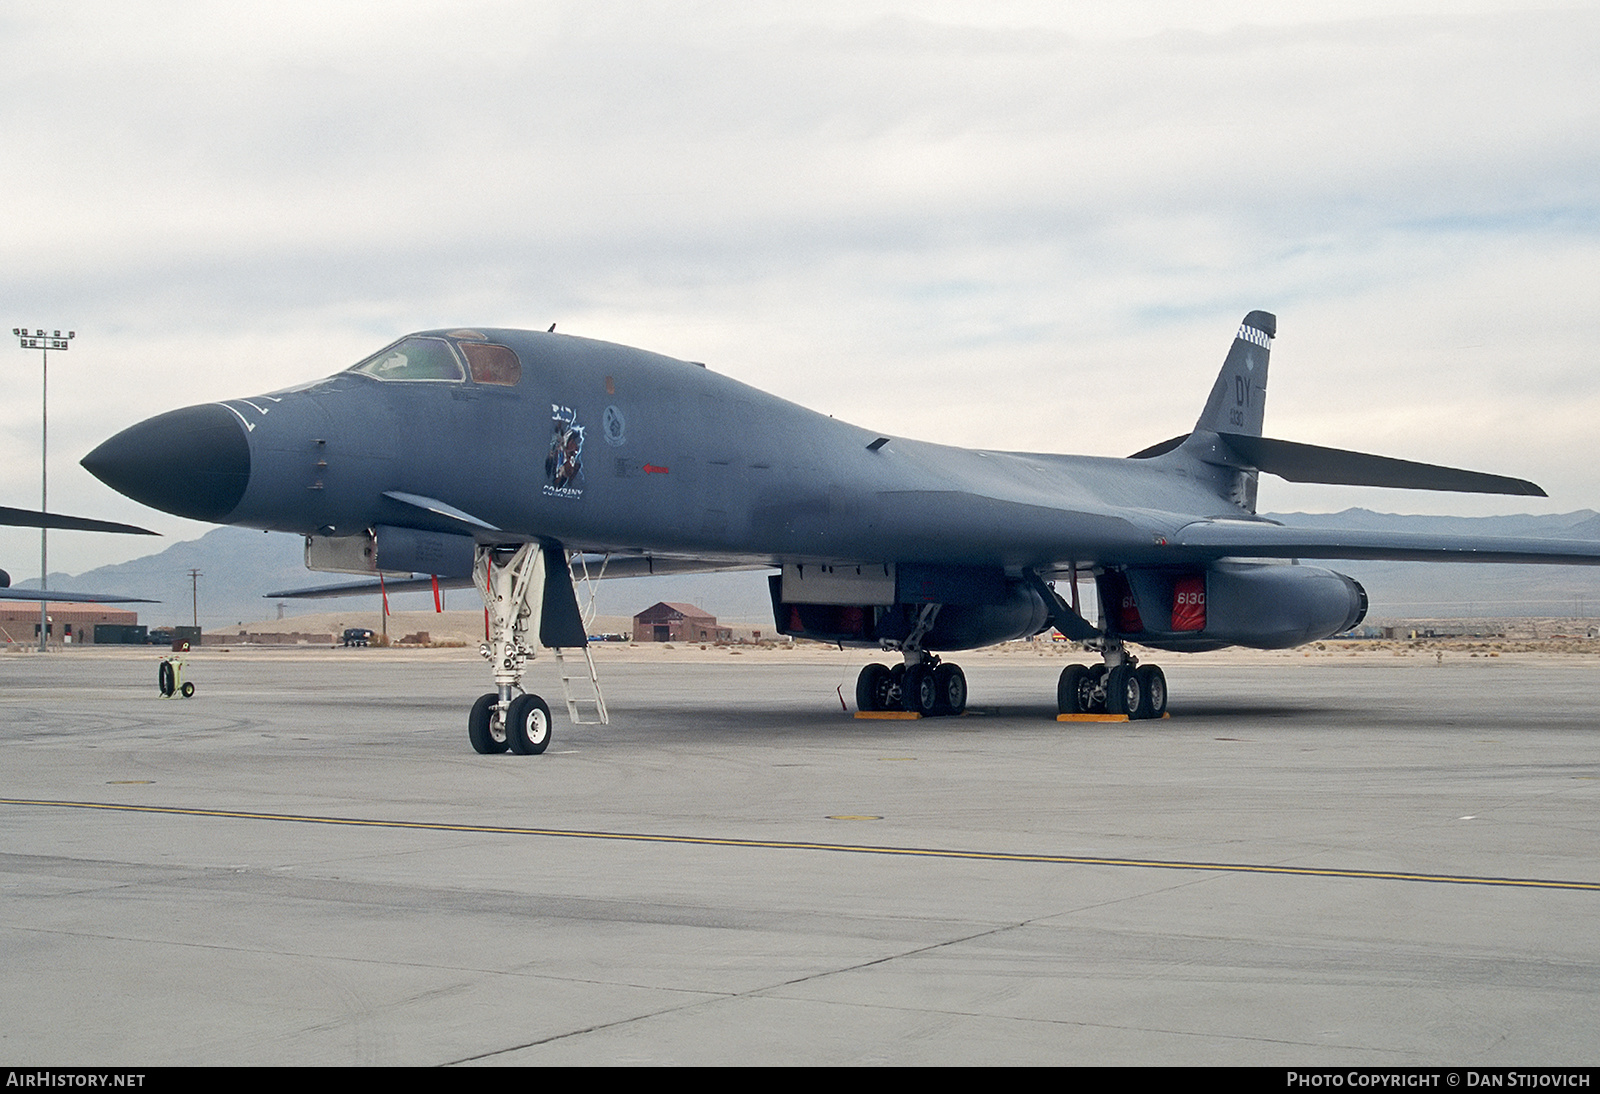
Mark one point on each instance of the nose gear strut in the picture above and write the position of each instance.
(519, 585)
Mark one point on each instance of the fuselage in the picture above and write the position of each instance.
(604, 447)
(447, 442)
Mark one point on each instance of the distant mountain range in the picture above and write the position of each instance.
(238, 565)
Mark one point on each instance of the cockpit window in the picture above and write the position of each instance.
(413, 359)
(492, 364)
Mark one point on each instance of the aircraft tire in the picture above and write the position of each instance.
(528, 725)
(873, 687)
(164, 679)
(921, 693)
(1097, 703)
(1075, 691)
(1155, 691)
(1125, 693)
(480, 726)
(950, 684)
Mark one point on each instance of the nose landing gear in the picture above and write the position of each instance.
(486, 727)
(513, 594)
(522, 586)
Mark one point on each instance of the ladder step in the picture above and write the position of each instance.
(593, 698)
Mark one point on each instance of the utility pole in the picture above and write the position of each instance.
(194, 593)
(43, 342)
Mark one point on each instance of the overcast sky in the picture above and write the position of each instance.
(1009, 225)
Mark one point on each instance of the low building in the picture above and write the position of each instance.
(663, 622)
(269, 638)
(70, 624)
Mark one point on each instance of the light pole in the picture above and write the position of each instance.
(43, 342)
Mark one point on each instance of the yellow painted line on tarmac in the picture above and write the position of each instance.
(889, 715)
(846, 848)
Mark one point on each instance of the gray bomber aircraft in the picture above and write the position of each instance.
(33, 518)
(517, 458)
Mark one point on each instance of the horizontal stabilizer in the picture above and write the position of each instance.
(51, 595)
(29, 518)
(1313, 463)
(1213, 539)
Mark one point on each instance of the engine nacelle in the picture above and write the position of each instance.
(1266, 606)
(970, 627)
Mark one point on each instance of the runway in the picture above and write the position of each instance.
(1318, 860)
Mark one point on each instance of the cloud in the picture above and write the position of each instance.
(1019, 225)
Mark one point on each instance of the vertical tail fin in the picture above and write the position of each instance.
(1237, 405)
(1239, 398)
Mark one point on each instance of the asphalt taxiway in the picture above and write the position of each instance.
(1318, 860)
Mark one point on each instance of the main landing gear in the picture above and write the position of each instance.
(926, 687)
(1120, 686)
(921, 684)
(513, 594)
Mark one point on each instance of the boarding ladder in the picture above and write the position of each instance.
(586, 678)
(581, 684)
(578, 563)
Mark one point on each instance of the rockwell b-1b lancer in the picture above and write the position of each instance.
(34, 518)
(513, 458)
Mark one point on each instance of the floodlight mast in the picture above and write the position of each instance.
(44, 343)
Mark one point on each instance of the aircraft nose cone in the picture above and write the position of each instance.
(193, 462)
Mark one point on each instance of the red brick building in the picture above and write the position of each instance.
(665, 622)
(70, 624)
